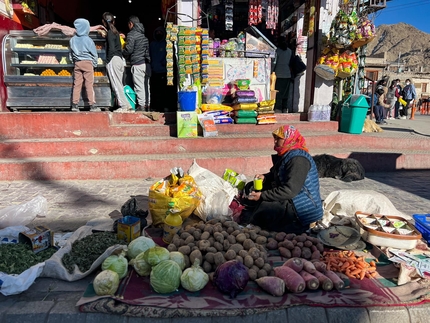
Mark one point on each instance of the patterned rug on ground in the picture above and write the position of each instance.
(135, 296)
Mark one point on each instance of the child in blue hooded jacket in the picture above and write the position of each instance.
(84, 55)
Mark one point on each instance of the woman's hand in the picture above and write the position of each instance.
(254, 196)
(259, 176)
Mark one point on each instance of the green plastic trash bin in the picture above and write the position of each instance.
(354, 111)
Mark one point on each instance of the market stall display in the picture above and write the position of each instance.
(30, 59)
(348, 32)
(273, 265)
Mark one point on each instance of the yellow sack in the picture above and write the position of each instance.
(183, 192)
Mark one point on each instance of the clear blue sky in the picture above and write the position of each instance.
(412, 12)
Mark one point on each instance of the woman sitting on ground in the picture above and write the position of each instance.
(290, 199)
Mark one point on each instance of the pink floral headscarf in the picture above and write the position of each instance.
(293, 139)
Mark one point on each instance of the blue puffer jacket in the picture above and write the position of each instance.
(308, 202)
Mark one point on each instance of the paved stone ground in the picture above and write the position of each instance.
(72, 203)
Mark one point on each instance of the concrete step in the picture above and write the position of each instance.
(158, 165)
(80, 146)
(45, 147)
(108, 124)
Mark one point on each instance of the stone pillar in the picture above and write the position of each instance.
(323, 89)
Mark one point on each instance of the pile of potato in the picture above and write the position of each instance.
(296, 246)
(217, 241)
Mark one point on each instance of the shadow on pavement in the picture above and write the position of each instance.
(412, 181)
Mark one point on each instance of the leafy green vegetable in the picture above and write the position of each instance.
(116, 263)
(139, 245)
(106, 282)
(165, 277)
(16, 258)
(194, 278)
(155, 255)
(86, 250)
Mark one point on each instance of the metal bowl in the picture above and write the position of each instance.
(339, 236)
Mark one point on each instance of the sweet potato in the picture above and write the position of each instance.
(306, 253)
(320, 266)
(296, 252)
(311, 281)
(294, 263)
(337, 281)
(293, 281)
(325, 282)
(300, 238)
(316, 255)
(288, 244)
(280, 236)
(271, 284)
(272, 244)
(286, 253)
(290, 236)
(308, 266)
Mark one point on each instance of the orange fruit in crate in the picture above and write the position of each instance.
(48, 72)
(64, 73)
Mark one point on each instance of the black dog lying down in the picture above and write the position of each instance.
(345, 169)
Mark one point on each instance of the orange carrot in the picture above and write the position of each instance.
(356, 271)
(362, 274)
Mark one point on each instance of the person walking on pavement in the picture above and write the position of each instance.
(283, 75)
(115, 62)
(409, 94)
(83, 54)
(137, 51)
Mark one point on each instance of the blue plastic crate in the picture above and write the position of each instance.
(422, 223)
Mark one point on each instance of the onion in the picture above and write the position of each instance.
(231, 277)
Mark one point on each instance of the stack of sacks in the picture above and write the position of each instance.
(265, 112)
(220, 112)
(244, 105)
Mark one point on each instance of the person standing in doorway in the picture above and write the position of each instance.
(115, 62)
(83, 54)
(157, 49)
(409, 94)
(281, 68)
(137, 51)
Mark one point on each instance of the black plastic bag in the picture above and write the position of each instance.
(131, 208)
(297, 66)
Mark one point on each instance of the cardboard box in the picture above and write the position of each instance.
(128, 228)
(40, 238)
(187, 124)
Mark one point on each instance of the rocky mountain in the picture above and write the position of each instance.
(412, 44)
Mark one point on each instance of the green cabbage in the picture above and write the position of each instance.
(118, 264)
(194, 278)
(155, 255)
(178, 257)
(165, 277)
(138, 245)
(140, 265)
(106, 282)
